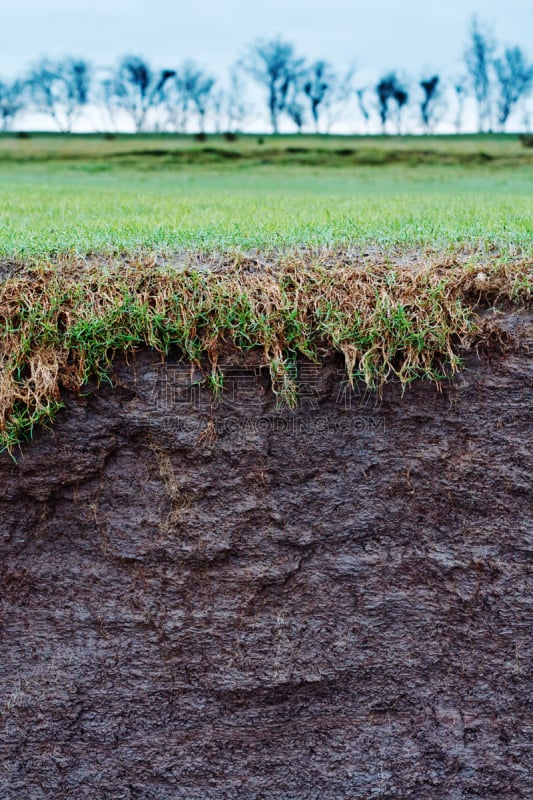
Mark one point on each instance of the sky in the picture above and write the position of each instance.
(373, 35)
(412, 34)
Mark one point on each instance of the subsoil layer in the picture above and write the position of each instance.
(230, 600)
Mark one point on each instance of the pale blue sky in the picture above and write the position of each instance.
(375, 34)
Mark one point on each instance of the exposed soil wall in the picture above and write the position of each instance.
(228, 600)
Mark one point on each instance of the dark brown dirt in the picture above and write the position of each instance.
(238, 602)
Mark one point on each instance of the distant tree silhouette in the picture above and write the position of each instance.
(478, 60)
(191, 91)
(310, 94)
(361, 104)
(137, 89)
(218, 106)
(199, 86)
(459, 88)
(60, 89)
(106, 98)
(428, 104)
(177, 100)
(514, 81)
(275, 66)
(295, 106)
(401, 98)
(236, 106)
(319, 82)
(12, 101)
(390, 88)
(336, 101)
(384, 91)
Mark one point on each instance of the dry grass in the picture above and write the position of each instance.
(61, 327)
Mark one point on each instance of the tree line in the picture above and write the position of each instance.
(310, 95)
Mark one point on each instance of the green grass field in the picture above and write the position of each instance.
(396, 201)
(91, 194)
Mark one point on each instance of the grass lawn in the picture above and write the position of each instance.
(422, 198)
(88, 194)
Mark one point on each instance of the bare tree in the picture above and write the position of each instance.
(106, 98)
(12, 101)
(275, 66)
(177, 100)
(318, 86)
(429, 103)
(478, 60)
(385, 91)
(199, 86)
(390, 88)
(236, 107)
(218, 106)
(60, 89)
(138, 89)
(191, 91)
(401, 98)
(361, 104)
(460, 96)
(295, 105)
(336, 101)
(515, 80)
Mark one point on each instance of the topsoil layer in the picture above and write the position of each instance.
(234, 601)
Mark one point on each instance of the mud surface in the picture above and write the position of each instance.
(238, 602)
